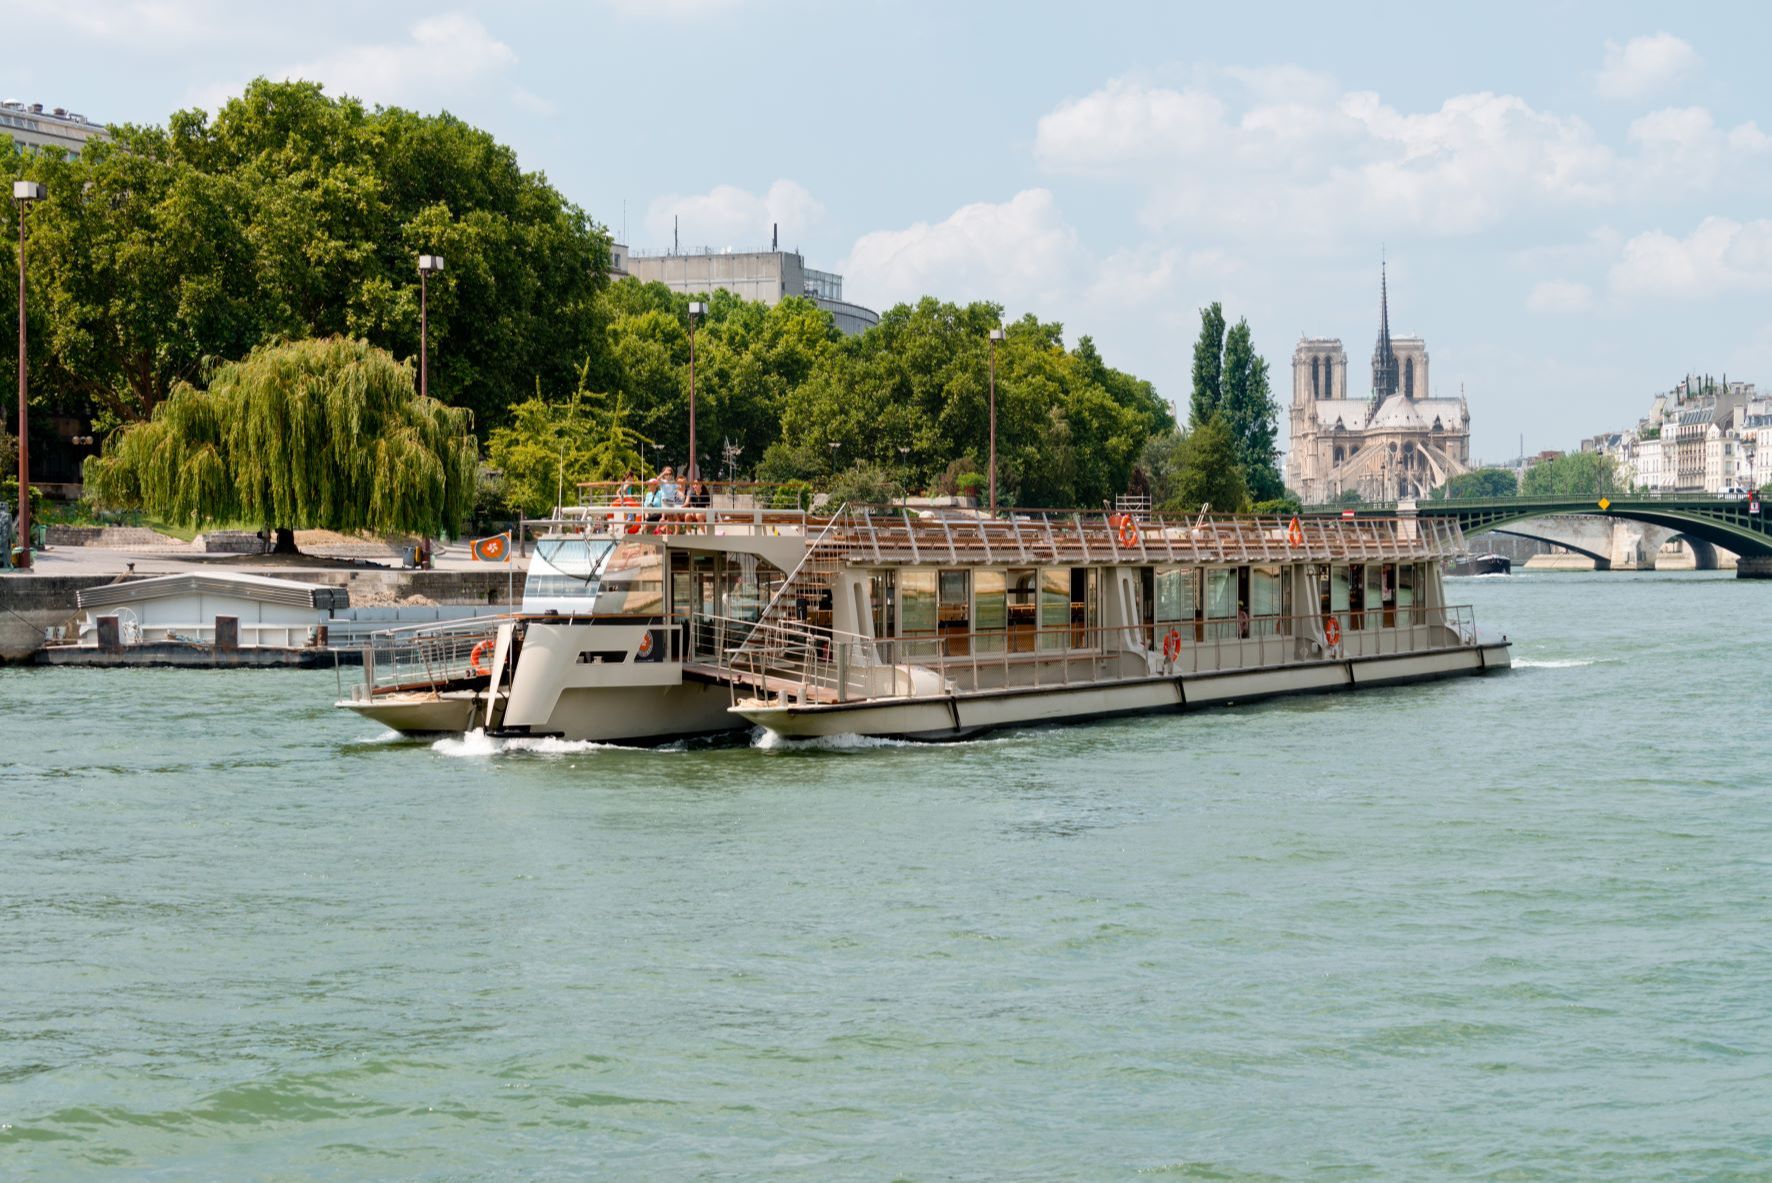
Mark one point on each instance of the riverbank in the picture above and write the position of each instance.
(45, 597)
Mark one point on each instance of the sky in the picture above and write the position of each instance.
(1571, 196)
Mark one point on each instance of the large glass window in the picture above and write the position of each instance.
(1022, 613)
(1265, 600)
(989, 609)
(1374, 595)
(954, 611)
(916, 603)
(1221, 603)
(1085, 607)
(1055, 607)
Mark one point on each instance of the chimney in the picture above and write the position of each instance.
(775, 236)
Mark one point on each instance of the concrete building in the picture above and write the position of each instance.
(1398, 441)
(57, 129)
(765, 276)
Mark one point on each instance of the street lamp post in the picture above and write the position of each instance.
(427, 265)
(23, 193)
(697, 310)
(996, 336)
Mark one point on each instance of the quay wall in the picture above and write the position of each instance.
(30, 603)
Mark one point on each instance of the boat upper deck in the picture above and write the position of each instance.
(958, 537)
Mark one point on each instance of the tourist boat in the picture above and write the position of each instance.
(924, 623)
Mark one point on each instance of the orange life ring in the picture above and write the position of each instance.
(1171, 645)
(646, 644)
(1295, 533)
(1332, 630)
(1128, 531)
(480, 650)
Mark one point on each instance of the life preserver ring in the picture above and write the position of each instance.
(1171, 645)
(1128, 531)
(480, 650)
(1332, 631)
(1295, 533)
(645, 644)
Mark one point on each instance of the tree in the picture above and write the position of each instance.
(1204, 471)
(1576, 474)
(293, 214)
(1249, 411)
(1208, 365)
(549, 447)
(319, 433)
(1480, 482)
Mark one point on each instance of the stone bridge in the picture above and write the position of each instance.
(1616, 530)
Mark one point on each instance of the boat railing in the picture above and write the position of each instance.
(427, 656)
(795, 660)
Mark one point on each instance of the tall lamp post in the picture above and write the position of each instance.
(428, 265)
(23, 193)
(996, 336)
(697, 310)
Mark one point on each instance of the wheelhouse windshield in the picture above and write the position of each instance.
(584, 576)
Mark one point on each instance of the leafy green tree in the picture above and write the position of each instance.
(1576, 474)
(320, 433)
(1250, 414)
(549, 447)
(292, 214)
(1203, 470)
(1481, 482)
(1208, 365)
(865, 483)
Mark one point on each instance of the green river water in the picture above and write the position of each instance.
(1510, 928)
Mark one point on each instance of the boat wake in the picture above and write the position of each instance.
(477, 744)
(768, 741)
(1527, 663)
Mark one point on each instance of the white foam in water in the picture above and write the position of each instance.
(477, 743)
(769, 741)
(1526, 663)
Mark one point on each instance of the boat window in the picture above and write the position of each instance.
(1356, 596)
(954, 611)
(1022, 615)
(1265, 595)
(1406, 590)
(1339, 583)
(1175, 594)
(1221, 603)
(916, 603)
(989, 609)
(582, 573)
(1055, 607)
(1374, 597)
(1085, 607)
(882, 590)
(633, 583)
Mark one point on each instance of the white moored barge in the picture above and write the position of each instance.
(657, 625)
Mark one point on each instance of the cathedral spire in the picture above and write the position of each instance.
(1384, 358)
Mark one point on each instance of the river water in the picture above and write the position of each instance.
(1517, 928)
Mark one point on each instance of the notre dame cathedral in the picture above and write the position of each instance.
(1397, 442)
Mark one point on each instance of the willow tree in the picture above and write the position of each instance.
(327, 434)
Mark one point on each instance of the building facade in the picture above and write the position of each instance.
(1700, 437)
(57, 129)
(1398, 441)
(765, 276)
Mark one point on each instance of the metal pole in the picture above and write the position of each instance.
(424, 348)
(993, 424)
(692, 470)
(24, 410)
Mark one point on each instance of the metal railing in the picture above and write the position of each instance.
(795, 661)
(427, 657)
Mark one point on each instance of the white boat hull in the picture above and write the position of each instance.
(956, 716)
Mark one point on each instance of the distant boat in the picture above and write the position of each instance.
(1489, 564)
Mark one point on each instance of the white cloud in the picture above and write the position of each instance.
(1020, 252)
(442, 55)
(727, 216)
(1644, 65)
(1301, 161)
(156, 22)
(1683, 146)
(1559, 296)
(1720, 257)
